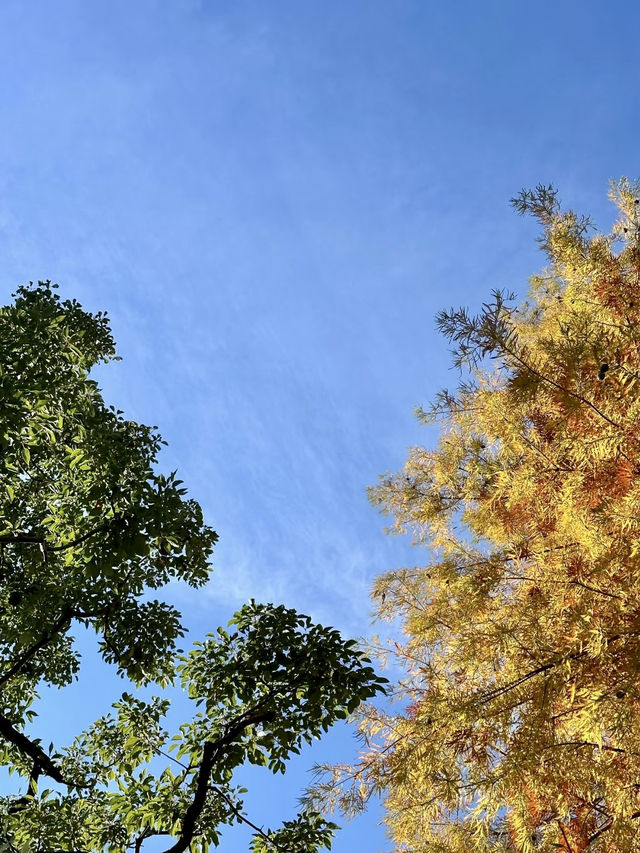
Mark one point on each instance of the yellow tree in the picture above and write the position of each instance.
(519, 727)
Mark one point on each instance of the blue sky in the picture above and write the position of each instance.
(272, 200)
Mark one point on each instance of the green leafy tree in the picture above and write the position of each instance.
(88, 530)
(519, 727)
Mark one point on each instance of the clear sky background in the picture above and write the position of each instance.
(272, 199)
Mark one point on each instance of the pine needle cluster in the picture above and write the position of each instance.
(519, 727)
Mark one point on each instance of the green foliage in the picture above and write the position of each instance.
(88, 528)
(304, 835)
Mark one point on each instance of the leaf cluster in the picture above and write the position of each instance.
(89, 531)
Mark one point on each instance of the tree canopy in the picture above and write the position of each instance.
(89, 529)
(518, 723)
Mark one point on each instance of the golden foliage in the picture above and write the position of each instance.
(519, 720)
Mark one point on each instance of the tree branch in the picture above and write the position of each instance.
(564, 835)
(147, 832)
(490, 695)
(220, 793)
(27, 539)
(31, 652)
(32, 790)
(33, 750)
(211, 751)
(67, 615)
(557, 385)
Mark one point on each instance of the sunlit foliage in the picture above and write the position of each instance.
(518, 721)
(89, 530)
